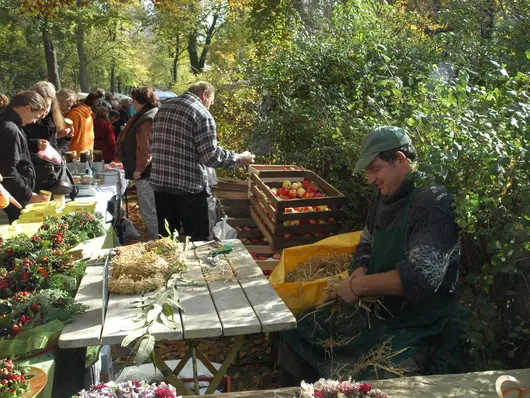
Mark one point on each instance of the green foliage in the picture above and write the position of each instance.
(374, 65)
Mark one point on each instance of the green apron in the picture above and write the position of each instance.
(417, 328)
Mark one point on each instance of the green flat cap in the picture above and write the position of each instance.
(379, 140)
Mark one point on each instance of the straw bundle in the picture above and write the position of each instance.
(380, 357)
(366, 307)
(318, 267)
(144, 267)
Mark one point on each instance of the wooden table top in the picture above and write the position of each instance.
(241, 304)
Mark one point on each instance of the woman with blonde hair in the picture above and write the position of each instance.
(49, 175)
(51, 126)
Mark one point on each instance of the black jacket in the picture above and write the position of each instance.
(15, 161)
(45, 129)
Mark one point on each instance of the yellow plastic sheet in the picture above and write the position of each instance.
(303, 296)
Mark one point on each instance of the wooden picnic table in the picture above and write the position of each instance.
(242, 302)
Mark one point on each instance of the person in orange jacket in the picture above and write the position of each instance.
(81, 115)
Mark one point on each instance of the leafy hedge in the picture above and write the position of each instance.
(466, 104)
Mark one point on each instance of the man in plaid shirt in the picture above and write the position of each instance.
(183, 144)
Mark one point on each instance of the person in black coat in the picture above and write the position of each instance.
(15, 160)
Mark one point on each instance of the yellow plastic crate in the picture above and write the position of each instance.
(30, 229)
(80, 206)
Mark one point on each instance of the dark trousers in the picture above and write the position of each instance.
(187, 211)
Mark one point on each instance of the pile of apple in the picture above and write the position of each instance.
(297, 190)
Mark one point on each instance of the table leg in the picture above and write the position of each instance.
(192, 346)
(238, 343)
(166, 371)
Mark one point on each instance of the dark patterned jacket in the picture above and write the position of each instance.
(183, 143)
(432, 246)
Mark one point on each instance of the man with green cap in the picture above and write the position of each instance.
(405, 268)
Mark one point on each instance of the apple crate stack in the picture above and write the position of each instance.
(234, 203)
(292, 206)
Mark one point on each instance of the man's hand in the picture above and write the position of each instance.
(137, 175)
(38, 198)
(343, 292)
(246, 158)
(42, 145)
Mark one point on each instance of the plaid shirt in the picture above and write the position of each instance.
(183, 143)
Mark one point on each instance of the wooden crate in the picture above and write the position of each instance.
(268, 211)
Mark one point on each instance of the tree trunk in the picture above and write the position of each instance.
(192, 51)
(209, 36)
(113, 69)
(119, 84)
(51, 58)
(488, 20)
(176, 58)
(80, 42)
(112, 77)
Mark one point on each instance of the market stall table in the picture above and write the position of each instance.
(242, 303)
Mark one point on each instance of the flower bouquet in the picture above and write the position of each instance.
(129, 389)
(327, 388)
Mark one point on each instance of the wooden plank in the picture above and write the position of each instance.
(268, 306)
(241, 222)
(261, 249)
(263, 228)
(264, 217)
(223, 195)
(239, 203)
(235, 312)
(119, 321)
(469, 385)
(86, 329)
(199, 316)
(267, 265)
(236, 211)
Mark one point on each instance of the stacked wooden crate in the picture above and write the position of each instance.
(292, 221)
(235, 204)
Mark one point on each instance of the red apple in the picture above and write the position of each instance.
(290, 210)
(306, 183)
(313, 221)
(238, 228)
(319, 195)
(287, 236)
(293, 193)
(307, 209)
(283, 191)
(306, 195)
(311, 194)
(304, 222)
(286, 197)
(312, 188)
